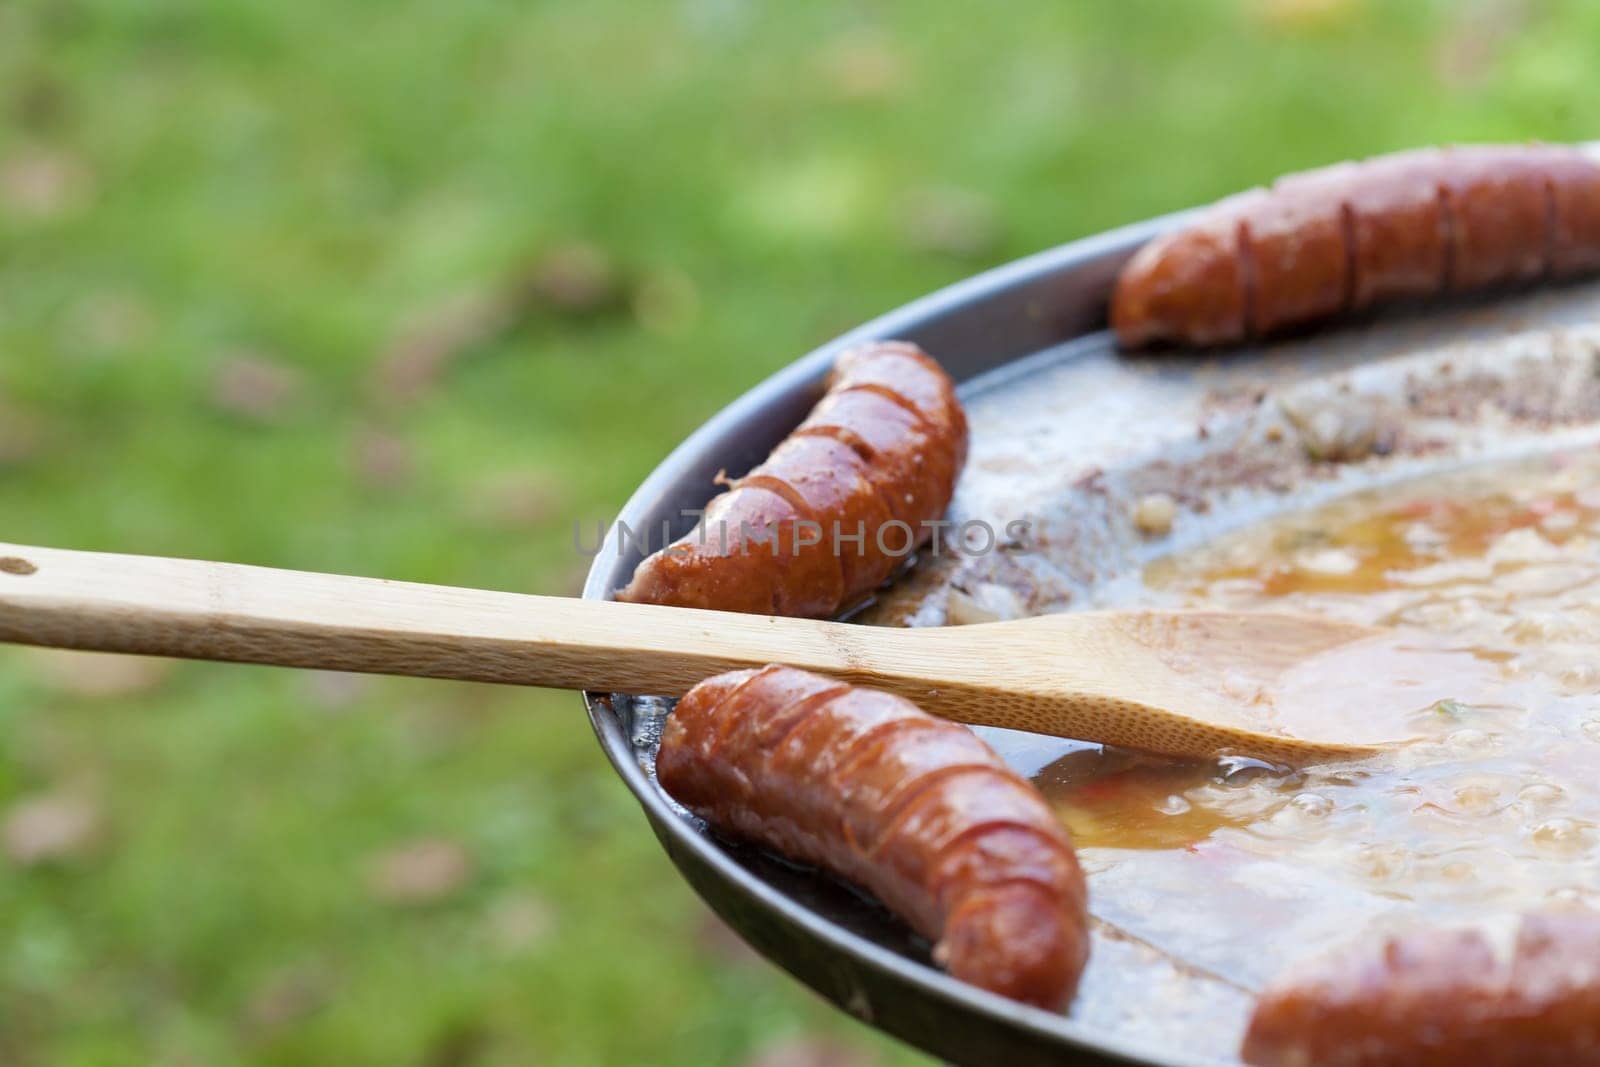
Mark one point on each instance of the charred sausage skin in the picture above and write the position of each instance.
(1526, 994)
(915, 809)
(1412, 224)
(836, 507)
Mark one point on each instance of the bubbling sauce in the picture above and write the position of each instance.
(1237, 868)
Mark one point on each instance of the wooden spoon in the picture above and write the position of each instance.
(1180, 683)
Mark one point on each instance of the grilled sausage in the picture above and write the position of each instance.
(1412, 224)
(915, 809)
(835, 507)
(1526, 994)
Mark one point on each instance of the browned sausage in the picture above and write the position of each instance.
(836, 507)
(1345, 237)
(1526, 994)
(915, 809)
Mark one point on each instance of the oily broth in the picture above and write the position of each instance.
(1494, 808)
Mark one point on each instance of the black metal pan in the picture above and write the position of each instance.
(1041, 317)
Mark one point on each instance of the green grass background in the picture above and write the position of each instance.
(185, 180)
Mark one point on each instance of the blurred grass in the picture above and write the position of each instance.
(185, 186)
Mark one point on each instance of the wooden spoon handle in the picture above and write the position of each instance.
(220, 611)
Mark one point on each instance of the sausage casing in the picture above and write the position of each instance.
(1316, 244)
(1527, 993)
(836, 507)
(915, 809)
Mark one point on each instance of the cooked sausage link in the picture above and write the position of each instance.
(1341, 238)
(836, 507)
(1295, 247)
(830, 478)
(903, 372)
(745, 556)
(1499, 217)
(1573, 185)
(1187, 286)
(1399, 236)
(915, 809)
(1524, 995)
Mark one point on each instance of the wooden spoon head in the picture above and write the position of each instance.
(1215, 643)
(1288, 688)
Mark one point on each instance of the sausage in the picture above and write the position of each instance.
(1524, 994)
(1413, 224)
(835, 507)
(915, 809)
